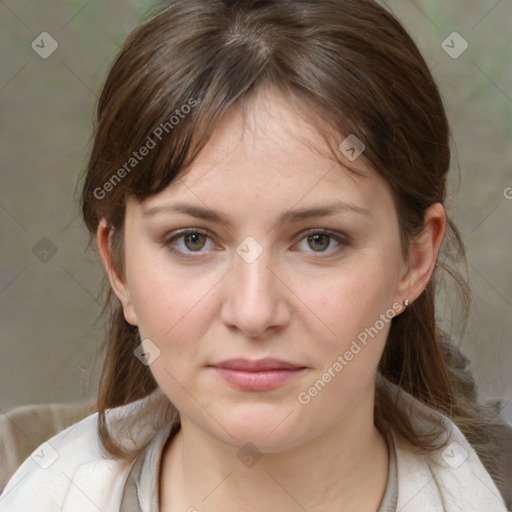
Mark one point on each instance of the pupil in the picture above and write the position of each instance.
(316, 237)
(194, 238)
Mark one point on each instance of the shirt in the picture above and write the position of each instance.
(141, 491)
(72, 472)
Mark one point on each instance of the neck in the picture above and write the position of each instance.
(344, 468)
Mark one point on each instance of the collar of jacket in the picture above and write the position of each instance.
(77, 477)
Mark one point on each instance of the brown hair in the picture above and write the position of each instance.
(353, 66)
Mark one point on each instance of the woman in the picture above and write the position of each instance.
(266, 188)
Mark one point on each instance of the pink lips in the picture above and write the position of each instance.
(259, 375)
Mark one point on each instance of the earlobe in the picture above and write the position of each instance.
(423, 252)
(117, 282)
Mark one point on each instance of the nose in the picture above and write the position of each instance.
(257, 297)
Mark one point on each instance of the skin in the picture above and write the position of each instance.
(297, 301)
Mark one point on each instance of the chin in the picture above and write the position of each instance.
(271, 429)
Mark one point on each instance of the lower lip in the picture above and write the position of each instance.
(262, 380)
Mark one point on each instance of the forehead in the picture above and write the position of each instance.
(273, 129)
(270, 153)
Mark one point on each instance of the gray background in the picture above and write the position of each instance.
(50, 341)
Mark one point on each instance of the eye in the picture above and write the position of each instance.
(186, 242)
(193, 241)
(320, 239)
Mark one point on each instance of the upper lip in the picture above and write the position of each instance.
(258, 364)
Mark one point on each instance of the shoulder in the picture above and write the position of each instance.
(43, 478)
(450, 479)
(72, 468)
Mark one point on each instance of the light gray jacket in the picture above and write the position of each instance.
(70, 473)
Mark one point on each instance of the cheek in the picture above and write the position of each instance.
(349, 299)
(163, 297)
(174, 310)
(357, 307)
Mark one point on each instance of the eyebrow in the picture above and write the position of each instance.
(288, 217)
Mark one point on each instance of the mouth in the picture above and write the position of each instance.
(258, 375)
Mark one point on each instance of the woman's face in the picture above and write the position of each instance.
(315, 291)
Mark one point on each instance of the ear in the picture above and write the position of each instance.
(423, 251)
(118, 283)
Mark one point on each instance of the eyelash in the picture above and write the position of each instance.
(174, 236)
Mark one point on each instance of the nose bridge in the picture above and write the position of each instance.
(254, 294)
(253, 277)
